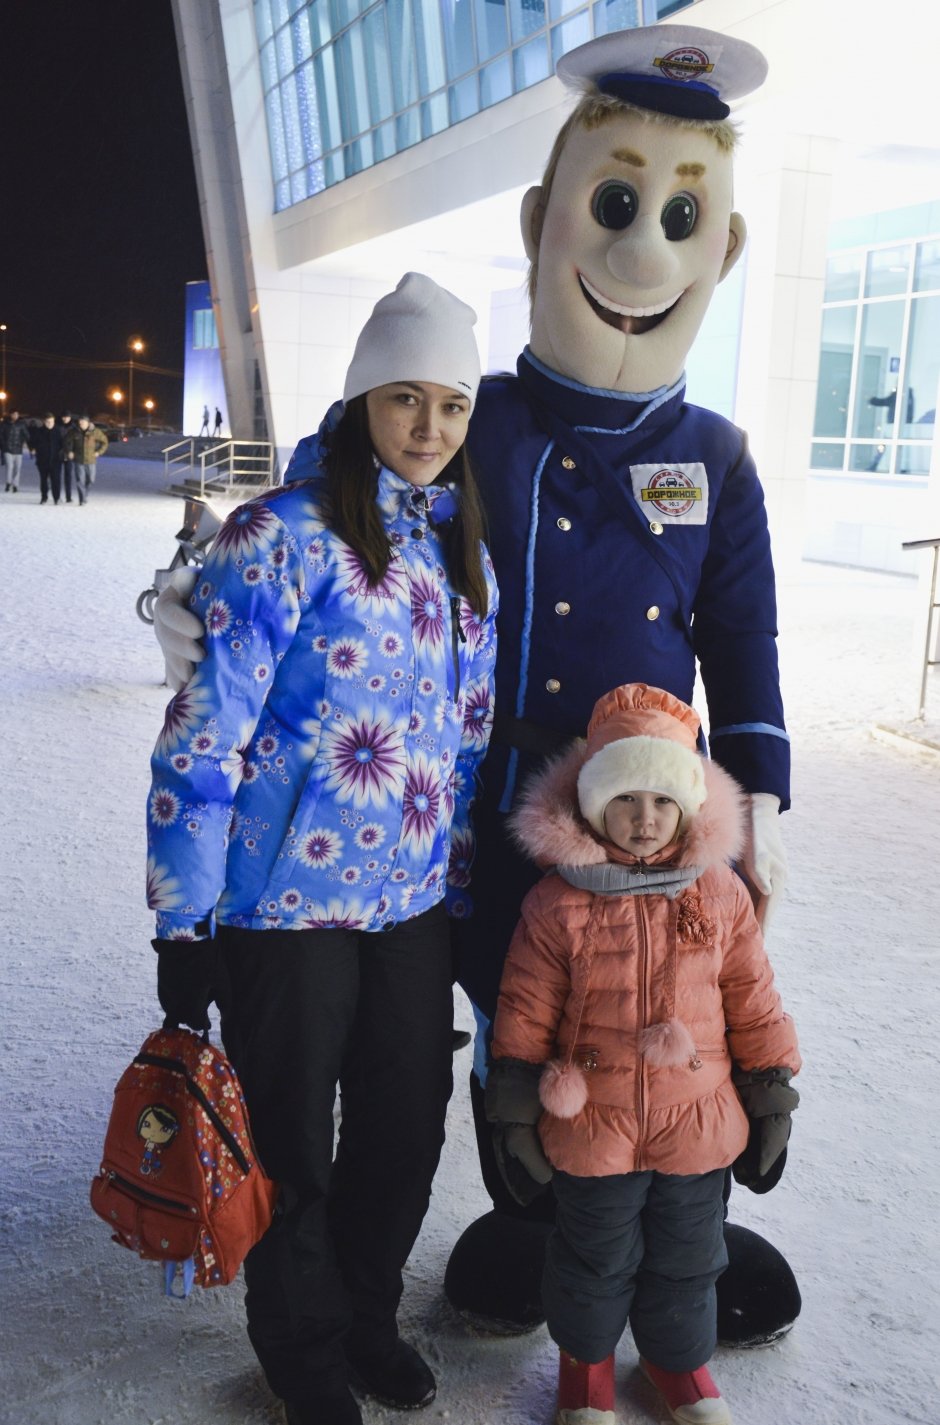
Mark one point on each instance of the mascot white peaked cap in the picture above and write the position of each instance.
(641, 228)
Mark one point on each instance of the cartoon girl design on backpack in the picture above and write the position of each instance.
(157, 1126)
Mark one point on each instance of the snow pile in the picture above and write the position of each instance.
(87, 1336)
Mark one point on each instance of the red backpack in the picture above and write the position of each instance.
(180, 1180)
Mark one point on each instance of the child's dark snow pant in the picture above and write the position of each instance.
(640, 1247)
(301, 1012)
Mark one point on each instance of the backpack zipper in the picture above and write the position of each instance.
(456, 632)
(134, 1190)
(159, 1062)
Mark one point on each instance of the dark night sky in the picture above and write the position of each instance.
(99, 219)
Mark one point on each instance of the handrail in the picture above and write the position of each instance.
(229, 461)
(929, 662)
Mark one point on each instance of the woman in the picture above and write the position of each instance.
(309, 807)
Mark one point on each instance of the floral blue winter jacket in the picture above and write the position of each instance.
(319, 767)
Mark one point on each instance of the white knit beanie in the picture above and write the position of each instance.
(641, 739)
(419, 332)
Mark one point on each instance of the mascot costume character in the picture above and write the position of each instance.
(629, 536)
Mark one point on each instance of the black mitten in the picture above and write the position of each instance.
(768, 1101)
(514, 1108)
(186, 981)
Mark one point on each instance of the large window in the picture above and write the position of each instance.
(879, 361)
(348, 83)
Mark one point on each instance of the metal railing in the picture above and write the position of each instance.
(934, 604)
(230, 466)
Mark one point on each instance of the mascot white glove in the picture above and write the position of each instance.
(765, 861)
(178, 630)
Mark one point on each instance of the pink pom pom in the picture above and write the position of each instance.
(668, 1045)
(563, 1089)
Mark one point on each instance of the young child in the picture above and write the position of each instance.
(637, 994)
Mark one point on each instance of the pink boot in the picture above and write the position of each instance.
(585, 1392)
(692, 1397)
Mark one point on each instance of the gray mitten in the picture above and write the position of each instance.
(768, 1101)
(513, 1107)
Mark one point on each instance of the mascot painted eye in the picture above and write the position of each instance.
(678, 216)
(615, 205)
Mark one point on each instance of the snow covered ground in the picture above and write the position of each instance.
(87, 1336)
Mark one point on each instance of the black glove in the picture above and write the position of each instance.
(514, 1108)
(768, 1102)
(186, 981)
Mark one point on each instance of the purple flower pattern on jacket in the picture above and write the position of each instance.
(321, 763)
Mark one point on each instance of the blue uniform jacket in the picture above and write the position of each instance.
(629, 539)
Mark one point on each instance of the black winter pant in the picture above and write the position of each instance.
(301, 1012)
(640, 1247)
(49, 481)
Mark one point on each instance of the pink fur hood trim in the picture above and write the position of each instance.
(548, 825)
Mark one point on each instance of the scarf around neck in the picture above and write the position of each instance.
(608, 879)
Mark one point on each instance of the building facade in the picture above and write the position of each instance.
(339, 143)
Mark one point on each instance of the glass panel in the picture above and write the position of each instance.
(836, 348)
(335, 169)
(402, 54)
(316, 179)
(375, 44)
(843, 274)
(262, 21)
(525, 17)
(887, 271)
(351, 82)
(320, 23)
(871, 459)
(877, 367)
(495, 82)
(324, 67)
(407, 129)
(458, 37)
(464, 99)
(927, 267)
(914, 459)
(384, 142)
(492, 27)
(669, 7)
(922, 369)
(296, 158)
(268, 67)
(282, 195)
(272, 105)
(433, 115)
(309, 114)
(610, 15)
(342, 12)
(530, 63)
(827, 457)
(284, 46)
(300, 30)
(278, 13)
(429, 43)
(574, 32)
(558, 9)
(298, 186)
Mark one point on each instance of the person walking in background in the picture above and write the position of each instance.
(204, 428)
(14, 437)
(217, 430)
(45, 446)
(640, 1049)
(328, 747)
(67, 460)
(85, 443)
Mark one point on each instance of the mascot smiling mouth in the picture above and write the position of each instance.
(632, 321)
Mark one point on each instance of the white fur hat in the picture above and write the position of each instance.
(641, 739)
(419, 332)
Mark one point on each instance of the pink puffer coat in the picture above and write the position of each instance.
(651, 998)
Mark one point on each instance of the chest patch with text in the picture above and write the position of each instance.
(672, 494)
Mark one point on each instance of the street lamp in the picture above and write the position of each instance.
(3, 377)
(136, 347)
(117, 396)
(148, 407)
